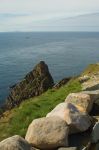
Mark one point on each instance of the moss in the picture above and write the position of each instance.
(18, 119)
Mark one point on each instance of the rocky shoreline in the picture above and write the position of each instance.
(71, 119)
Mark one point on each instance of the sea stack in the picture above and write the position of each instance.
(35, 83)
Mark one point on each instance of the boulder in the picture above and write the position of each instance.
(95, 133)
(77, 121)
(15, 143)
(68, 148)
(95, 97)
(48, 133)
(81, 100)
(35, 83)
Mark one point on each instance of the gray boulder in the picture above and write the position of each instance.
(77, 121)
(15, 143)
(95, 98)
(48, 133)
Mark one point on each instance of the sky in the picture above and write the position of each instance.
(49, 15)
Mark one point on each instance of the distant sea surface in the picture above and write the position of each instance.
(66, 53)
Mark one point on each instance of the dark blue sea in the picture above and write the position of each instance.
(66, 53)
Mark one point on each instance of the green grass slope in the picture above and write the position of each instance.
(91, 69)
(17, 120)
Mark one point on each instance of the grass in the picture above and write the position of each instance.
(17, 120)
(92, 68)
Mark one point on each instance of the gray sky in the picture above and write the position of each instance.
(49, 15)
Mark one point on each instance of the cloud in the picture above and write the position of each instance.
(32, 15)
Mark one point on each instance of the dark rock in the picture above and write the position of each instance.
(35, 83)
(62, 82)
(80, 140)
(95, 133)
(95, 109)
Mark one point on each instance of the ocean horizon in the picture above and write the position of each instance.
(66, 53)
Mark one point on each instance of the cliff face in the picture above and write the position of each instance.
(34, 84)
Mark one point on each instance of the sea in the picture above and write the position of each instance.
(66, 53)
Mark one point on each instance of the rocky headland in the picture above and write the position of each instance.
(35, 83)
(73, 124)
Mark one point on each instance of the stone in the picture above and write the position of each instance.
(95, 133)
(68, 148)
(15, 143)
(35, 83)
(48, 133)
(81, 100)
(77, 121)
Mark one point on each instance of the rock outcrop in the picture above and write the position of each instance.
(15, 143)
(48, 133)
(77, 121)
(62, 82)
(35, 83)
